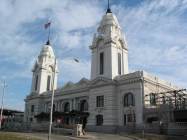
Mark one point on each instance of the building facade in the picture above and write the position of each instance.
(114, 98)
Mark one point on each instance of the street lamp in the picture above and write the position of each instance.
(52, 100)
(2, 102)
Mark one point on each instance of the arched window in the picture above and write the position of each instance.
(99, 120)
(84, 105)
(32, 108)
(129, 100)
(36, 82)
(101, 63)
(66, 107)
(48, 82)
(119, 63)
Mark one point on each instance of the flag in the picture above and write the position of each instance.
(47, 25)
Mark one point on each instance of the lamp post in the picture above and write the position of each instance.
(52, 100)
(52, 97)
(2, 102)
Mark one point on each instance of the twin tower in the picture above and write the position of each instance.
(109, 56)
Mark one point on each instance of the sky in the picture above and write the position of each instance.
(155, 30)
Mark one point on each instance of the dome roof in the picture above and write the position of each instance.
(47, 50)
(109, 19)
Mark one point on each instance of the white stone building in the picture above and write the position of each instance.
(114, 98)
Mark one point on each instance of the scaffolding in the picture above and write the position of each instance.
(177, 99)
(169, 105)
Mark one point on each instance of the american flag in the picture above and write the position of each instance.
(47, 25)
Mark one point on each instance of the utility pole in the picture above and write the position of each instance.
(2, 102)
(52, 100)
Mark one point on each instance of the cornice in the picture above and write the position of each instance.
(29, 97)
(129, 81)
(157, 83)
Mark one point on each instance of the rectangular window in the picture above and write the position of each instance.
(36, 83)
(99, 120)
(32, 108)
(101, 63)
(48, 82)
(100, 101)
(131, 118)
(119, 63)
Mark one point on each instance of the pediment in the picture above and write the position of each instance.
(68, 85)
(101, 81)
(83, 81)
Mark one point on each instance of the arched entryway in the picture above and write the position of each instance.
(129, 109)
(66, 107)
(83, 106)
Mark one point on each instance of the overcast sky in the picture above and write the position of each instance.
(156, 32)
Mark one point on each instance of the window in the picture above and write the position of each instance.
(54, 108)
(101, 63)
(32, 108)
(131, 117)
(48, 82)
(152, 99)
(36, 83)
(129, 100)
(119, 63)
(125, 119)
(99, 120)
(66, 107)
(100, 101)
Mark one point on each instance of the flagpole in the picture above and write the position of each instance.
(49, 32)
(48, 27)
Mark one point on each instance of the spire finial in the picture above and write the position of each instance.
(48, 42)
(108, 9)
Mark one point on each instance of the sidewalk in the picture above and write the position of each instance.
(88, 136)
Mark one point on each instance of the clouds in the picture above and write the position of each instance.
(73, 71)
(77, 15)
(155, 31)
